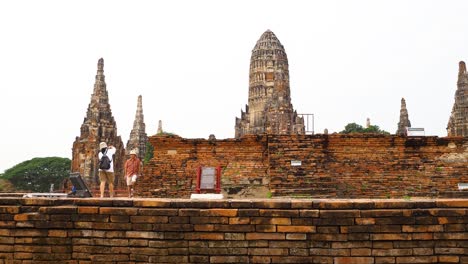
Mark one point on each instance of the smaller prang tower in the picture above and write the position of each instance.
(404, 120)
(269, 108)
(138, 138)
(98, 126)
(458, 121)
(160, 129)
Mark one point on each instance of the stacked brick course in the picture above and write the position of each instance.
(351, 166)
(233, 231)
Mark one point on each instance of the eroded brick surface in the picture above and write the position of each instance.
(343, 166)
(226, 232)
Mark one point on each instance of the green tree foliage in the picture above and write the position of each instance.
(375, 129)
(352, 128)
(38, 174)
(355, 128)
(149, 153)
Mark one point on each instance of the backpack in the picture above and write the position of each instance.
(104, 162)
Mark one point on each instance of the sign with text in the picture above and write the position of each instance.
(209, 179)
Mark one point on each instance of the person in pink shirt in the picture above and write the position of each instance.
(131, 171)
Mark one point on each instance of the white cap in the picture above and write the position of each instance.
(102, 145)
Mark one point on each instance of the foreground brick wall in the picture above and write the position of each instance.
(233, 231)
(350, 166)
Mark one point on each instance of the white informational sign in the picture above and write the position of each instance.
(414, 132)
(463, 186)
(207, 180)
(296, 163)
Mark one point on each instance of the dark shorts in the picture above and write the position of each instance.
(106, 176)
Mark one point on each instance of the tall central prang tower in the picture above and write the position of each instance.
(269, 108)
(98, 126)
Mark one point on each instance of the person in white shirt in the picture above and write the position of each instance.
(107, 176)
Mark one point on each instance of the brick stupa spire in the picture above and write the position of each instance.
(138, 138)
(269, 108)
(98, 126)
(458, 121)
(404, 120)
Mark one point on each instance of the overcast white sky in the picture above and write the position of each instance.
(348, 60)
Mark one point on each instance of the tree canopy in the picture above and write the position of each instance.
(355, 128)
(38, 174)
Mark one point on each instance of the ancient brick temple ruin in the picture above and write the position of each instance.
(271, 155)
(458, 122)
(404, 119)
(269, 108)
(98, 126)
(138, 138)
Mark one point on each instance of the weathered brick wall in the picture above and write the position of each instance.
(172, 171)
(336, 165)
(233, 231)
(357, 166)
